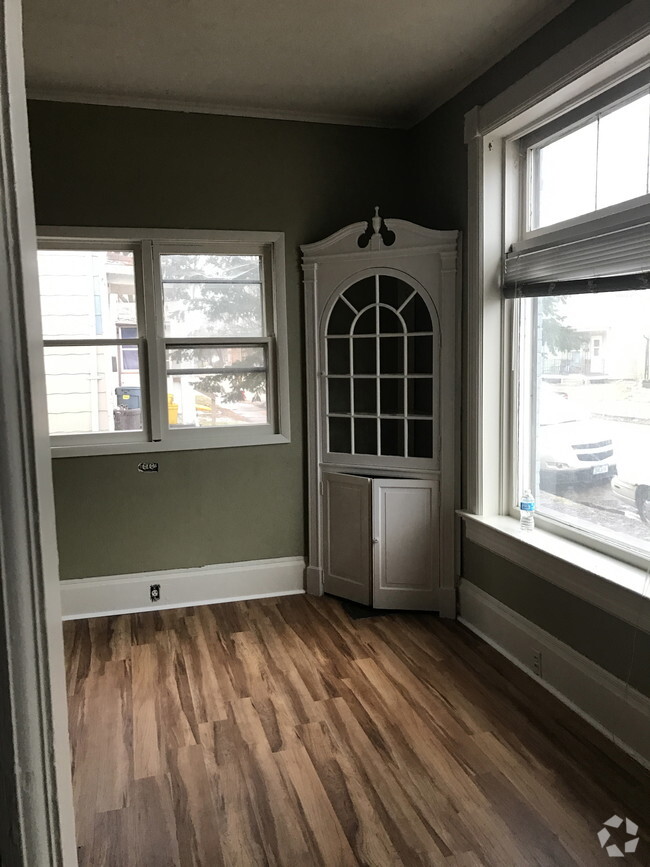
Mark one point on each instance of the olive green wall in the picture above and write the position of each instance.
(440, 165)
(611, 643)
(104, 166)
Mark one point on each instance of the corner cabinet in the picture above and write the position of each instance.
(381, 317)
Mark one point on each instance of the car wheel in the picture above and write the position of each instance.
(643, 502)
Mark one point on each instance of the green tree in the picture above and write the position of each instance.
(216, 296)
(558, 338)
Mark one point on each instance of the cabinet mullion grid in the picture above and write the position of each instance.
(409, 415)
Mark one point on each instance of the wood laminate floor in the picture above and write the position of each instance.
(282, 732)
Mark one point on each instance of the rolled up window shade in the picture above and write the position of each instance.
(608, 262)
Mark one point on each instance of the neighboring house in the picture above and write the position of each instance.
(612, 330)
(87, 295)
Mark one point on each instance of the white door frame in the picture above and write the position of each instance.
(36, 808)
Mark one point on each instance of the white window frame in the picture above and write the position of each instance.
(609, 54)
(147, 245)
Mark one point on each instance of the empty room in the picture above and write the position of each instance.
(325, 466)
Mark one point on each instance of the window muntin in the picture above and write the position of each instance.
(603, 162)
(380, 371)
(184, 337)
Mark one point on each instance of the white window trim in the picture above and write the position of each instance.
(158, 440)
(605, 56)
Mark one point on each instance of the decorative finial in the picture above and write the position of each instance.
(376, 221)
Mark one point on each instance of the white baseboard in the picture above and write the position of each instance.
(225, 582)
(606, 702)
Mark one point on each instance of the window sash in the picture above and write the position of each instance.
(530, 145)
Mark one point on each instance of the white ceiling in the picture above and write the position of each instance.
(377, 62)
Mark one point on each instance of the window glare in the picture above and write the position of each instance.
(623, 153)
(212, 296)
(86, 294)
(567, 176)
(603, 163)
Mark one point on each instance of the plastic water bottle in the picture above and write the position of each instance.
(527, 511)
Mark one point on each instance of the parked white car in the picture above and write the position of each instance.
(572, 448)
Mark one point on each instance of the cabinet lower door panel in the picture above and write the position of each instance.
(347, 536)
(405, 516)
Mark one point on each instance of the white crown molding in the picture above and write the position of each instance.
(190, 107)
(609, 704)
(179, 588)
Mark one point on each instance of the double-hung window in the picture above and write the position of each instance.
(558, 365)
(163, 340)
(580, 276)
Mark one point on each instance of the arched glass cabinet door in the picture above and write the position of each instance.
(381, 346)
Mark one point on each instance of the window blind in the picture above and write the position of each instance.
(611, 261)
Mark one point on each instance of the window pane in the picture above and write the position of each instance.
(216, 400)
(87, 294)
(392, 437)
(420, 393)
(197, 357)
(567, 177)
(212, 296)
(623, 153)
(340, 321)
(416, 314)
(365, 436)
(589, 394)
(365, 395)
(420, 439)
(339, 395)
(364, 355)
(340, 436)
(392, 396)
(391, 353)
(338, 356)
(362, 293)
(393, 291)
(367, 322)
(88, 391)
(420, 355)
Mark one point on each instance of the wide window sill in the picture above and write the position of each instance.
(171, 444)
(618, 588)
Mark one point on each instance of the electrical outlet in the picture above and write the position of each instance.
(537, 662)
(154, 592)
